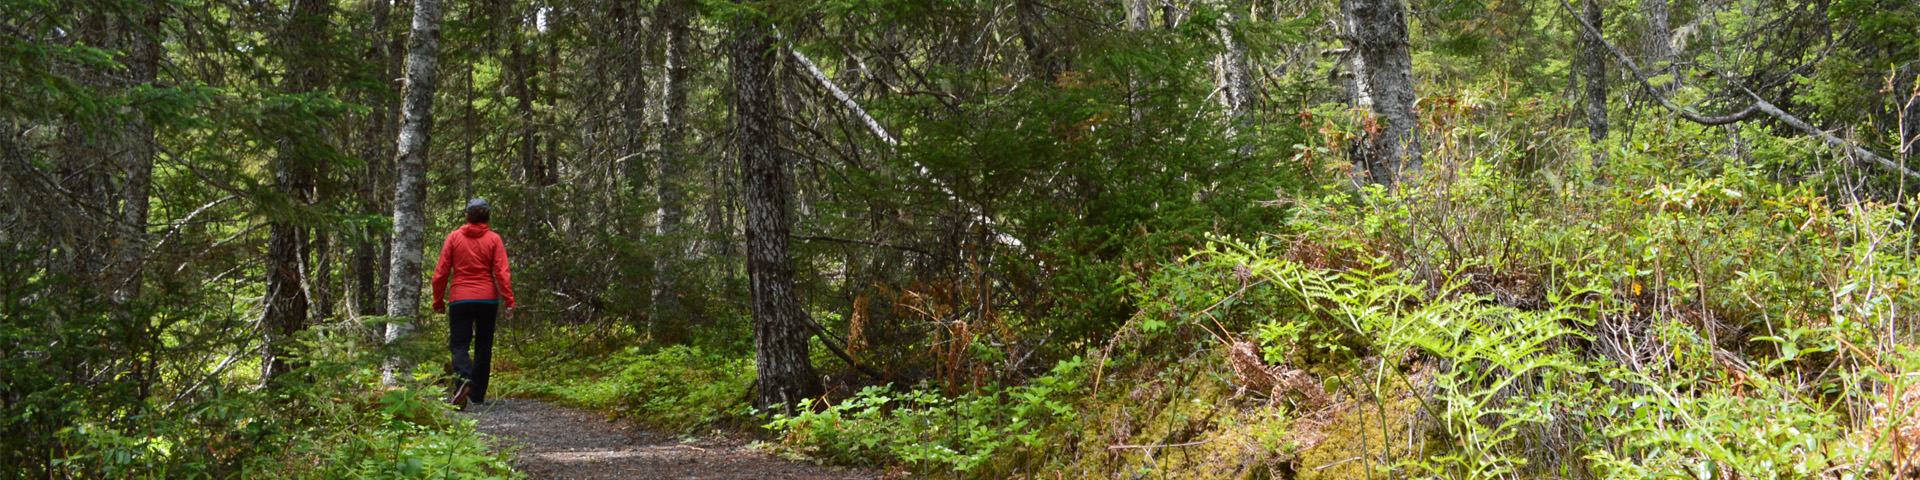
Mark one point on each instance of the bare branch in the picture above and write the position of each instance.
(834, 346)
(841, 95)
(1760, 105)
(862, 242)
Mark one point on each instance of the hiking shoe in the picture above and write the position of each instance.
(459, 399)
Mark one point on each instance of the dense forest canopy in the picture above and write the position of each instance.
(1651, 221)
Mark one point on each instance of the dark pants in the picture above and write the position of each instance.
(472, 323)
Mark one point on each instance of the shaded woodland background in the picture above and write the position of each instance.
(998, 208)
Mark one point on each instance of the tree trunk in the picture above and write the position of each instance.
(666, 266)
(321, 287)
(630, 58)
(1236, 84)
(295, 170)
(1906, 89)
(1594, 65)
(786, 374)
(377, 152)
(719, 215)
(1380, 36)
(136, 160)
(1041, 56)
(1139, 15)
(410, 190)
(1657, 41)
(527, 147)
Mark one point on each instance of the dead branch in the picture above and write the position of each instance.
(1760, 105)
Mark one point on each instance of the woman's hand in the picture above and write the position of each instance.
(439, 308)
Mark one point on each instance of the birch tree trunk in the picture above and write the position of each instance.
(666, 266)
(1380, 36)
(786, 374)
(1657, 41)
(1139, 15)
(1594, 65)
(294, 172)
(410, 189)
(1236, 84)
(1909, 129)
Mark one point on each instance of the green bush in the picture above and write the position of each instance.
(1713, 323)
(346, 425)
(923, 429)
(677, 387)
(330, 418)
(682, 387)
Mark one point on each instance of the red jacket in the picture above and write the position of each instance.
(476, 261)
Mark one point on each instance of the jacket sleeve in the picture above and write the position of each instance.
(441, 268)
(502, 274)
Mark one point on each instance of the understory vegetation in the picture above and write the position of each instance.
(971, 239)
(1652, 318)
(329, 418)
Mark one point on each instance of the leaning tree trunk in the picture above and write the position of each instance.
(1380, 36)
(786, 374)
(294, 172)
(672, 162)
(1594, 63)
(410, 189)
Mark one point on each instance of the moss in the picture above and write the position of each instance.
(1357, 447)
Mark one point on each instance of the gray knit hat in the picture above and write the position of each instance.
(478, 202)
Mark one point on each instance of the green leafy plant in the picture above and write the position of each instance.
(919, 427)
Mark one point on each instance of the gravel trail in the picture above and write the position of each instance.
(563, 443)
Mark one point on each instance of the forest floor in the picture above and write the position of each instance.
(563, 443)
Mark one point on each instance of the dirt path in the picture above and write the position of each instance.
(563, 443)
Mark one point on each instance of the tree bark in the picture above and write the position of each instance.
(672, 167)
(1139, 15)
(1909, 128)
(1759, 106)
(1380, 36)
(295, 170)
(1657, 40)
(136, 159)
(378, 151)
(1235, 81)
(410, 189)
(786, 375)
(1041, 56)
(630, 58)
(527, 147)
(1594, 65)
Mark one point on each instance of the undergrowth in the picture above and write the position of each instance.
(680, 388)
(930, 432)
(1668, 313)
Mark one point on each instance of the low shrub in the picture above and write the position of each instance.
(677, 387)
(1659, 321)
(930, 432)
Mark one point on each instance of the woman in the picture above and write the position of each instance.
(474, 261)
